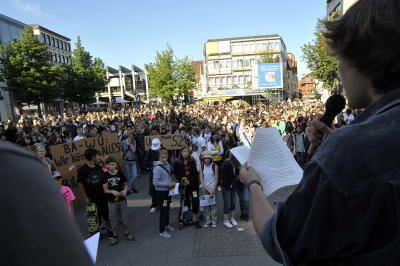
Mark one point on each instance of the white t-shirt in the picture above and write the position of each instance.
(209, 177)
(200, 142)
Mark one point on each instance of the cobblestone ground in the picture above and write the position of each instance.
(191, 246)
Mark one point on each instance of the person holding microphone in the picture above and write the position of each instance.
(346, 209)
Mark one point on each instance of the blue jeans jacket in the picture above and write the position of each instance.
(346, 209)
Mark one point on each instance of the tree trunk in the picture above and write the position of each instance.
(39, 109)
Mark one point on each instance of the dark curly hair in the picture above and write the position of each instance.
(368, 37)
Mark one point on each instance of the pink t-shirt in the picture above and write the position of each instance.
(68, 197)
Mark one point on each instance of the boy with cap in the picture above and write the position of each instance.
(150, 158)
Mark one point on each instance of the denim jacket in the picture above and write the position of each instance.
(346, 209)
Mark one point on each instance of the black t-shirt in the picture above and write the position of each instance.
(92, 181)
(115, 182)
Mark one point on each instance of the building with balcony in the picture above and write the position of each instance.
(233, 69)
(57, 44)
(336, 8)
(128, 84)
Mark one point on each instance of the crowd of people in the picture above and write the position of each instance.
(202, 168)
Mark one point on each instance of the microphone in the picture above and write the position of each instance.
(333, 106)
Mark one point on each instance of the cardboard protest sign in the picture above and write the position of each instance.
(169, 142)
(68, 157)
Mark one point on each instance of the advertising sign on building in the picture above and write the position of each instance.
(270, 75)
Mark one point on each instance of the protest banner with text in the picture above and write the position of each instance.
(68, 157)
(169, 142)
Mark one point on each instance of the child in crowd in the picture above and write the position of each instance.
(116, 188)
(65, 191)
(209, 181)
(230, 174)
(162, 180)
(185, 168)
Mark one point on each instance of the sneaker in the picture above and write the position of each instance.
(129, 237)
(206, 225)
(169, 228)
(244, 218)
(113, 240)
(214, 225)
(172, 206)
(165, 235)
(233, 222)
(153, 210)
(219, 188)
(228, 224)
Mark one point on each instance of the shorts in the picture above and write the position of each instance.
(118, 213)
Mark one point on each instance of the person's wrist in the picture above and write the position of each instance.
(254, 182)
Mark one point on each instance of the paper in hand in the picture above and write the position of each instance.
(241, 154)
(92, 244)
(273, 161)
(174, 191)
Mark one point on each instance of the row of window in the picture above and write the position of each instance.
(50, 40)
(256, 46)
(230, 80)
(58, 58)
(214, 66)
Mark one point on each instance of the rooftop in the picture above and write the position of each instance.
(35, 26)
(248, 37)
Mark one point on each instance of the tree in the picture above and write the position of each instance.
(84, 76)
(185, 77)
(162, 75)
(323, 66)
(27, 72)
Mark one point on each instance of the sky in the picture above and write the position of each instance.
(131, 32)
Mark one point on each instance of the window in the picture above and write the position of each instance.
(53, 43)
(235, 79)
(252, 62)
(237, 48)
(48, 40)
(59, 58)
(228, 80)
(240, 63)
(246, 62)
(210, 66)
(223, 80)
(252, 47)
(57, 43)
(54, 57)
(43, 37)
(63, 59)
(234, 63)
(240, 79)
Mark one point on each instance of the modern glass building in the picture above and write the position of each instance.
(10, 29)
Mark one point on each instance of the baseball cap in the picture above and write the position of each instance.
(155, 144)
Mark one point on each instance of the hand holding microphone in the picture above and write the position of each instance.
(320, 129)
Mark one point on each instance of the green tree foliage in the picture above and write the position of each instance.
(170, 77)
(186, 80)
(323, 66)
(84, 76)
(26, 69)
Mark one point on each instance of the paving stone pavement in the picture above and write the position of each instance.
(191, 246)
